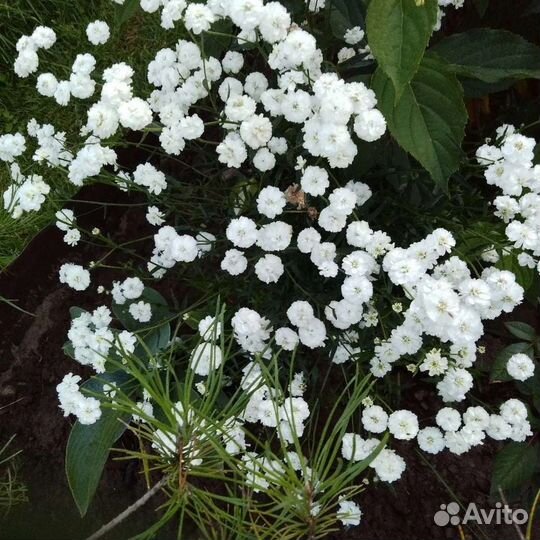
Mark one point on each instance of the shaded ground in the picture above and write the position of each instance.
(32, 364)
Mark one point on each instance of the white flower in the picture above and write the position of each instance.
(264, 160)
(349, 513)
(184, 248)
(132, 288)
(286, 338)
(234, 262)
(205, 358)
(198, 18)
(403, 424)
(47, 84)
(242, 232)
(271, 202)
(141, 311)
(269, 268)
(98, 32)
(448, 419)
(431, 440)
(135, 114)
(256, 131)
(370, 125)
(148, 176)
(354, 35)
(374, 419)
(388, 465)
(520, 367)
(155, 216)
(315, 181)
(232, 62)
(75, 276)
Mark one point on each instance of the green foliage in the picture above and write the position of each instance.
(490, 55)
(345, 15)
(12, 490)
(398, 33)
(88, 447)
(429, 119)
(514, 466)
(521, 330)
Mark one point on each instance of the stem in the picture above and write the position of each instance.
(129, 510)
(528, 534)
(516, 526)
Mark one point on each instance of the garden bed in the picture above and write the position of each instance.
(33, 363)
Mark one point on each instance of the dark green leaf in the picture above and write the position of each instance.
(514, 466)
(521, 330)
(345, 15)
(88, 448)
(429, 119)
(398, 34)
(217, 45)
(490, 55)
(475, 88)
(76, 312)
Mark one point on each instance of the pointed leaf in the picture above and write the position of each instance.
(429, 119)
(490, 55)
(514, 466)
(398, 34)
(521, 330)
(88, 448)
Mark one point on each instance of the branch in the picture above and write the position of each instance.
(129, 510)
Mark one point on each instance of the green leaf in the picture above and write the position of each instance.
(498, 370)
(514, 466)
(128, 10)
(521, 330)
(490, 55)
(429, 119)
(88, 448)
(398, 34)
(475, 88)
(216, 45)
(345, 15)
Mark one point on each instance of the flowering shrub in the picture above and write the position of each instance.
(258, 127)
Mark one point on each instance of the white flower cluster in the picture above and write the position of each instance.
(291, 111)
(72, 401)
(448, 304)
(79, 85)
(66, 222)
(93, 340)
(171, 248)
(27, 61)
(267, 405)
(509, 162)
(25, 194)
(207, 356)
(75, 276)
